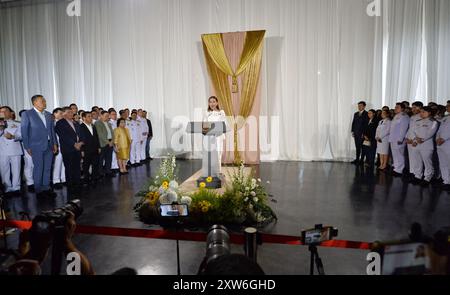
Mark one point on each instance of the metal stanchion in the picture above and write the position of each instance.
(251, 243)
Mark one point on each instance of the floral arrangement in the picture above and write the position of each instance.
(245, 200)
(163, 189)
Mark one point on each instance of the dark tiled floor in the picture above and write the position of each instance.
(363, 207)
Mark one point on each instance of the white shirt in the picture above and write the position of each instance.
(108, 130)
(42, 116)
(90, 128)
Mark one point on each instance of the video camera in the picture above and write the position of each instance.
(45, 222)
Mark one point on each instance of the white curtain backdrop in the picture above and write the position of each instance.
(320, 58)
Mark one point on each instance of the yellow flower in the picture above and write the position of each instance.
(165, 184)
(202, 185)
(152, 198)
(209, 179)
(205, 209)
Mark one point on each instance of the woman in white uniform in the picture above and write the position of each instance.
(382, 137)
(214, 114)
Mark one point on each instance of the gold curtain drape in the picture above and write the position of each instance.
(219, 69)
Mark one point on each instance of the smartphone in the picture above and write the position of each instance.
(174, 210)
(318, 235)
(406, 259)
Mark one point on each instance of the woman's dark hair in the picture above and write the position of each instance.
(120, 120)
(218, 106)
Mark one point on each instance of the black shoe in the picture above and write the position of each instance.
(396, 174)
(354, 162)
(17, 193)
(50, 194)
(31, 188)
(41, 195)
(150, 158)
(446, 187)
(416, 181)
(58, 186)
(425, 183)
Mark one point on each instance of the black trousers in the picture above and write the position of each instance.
(358, 144)
(72, 164)
(90, 160)
(105, 160)
(369, 152)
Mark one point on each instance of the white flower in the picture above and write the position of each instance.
(255, 199)
(268, 182)
(152, 188)
(253, 180)
(161, 190)
(186, 200)
(157, 176)
(247, 188)
(250, 206)
(253, 194)
(173, 184)
(259, 179)
(168, 198)
(246, 199)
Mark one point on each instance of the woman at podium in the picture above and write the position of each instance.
(214, 114)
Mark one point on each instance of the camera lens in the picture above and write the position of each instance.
(217, 242)
(74, 207)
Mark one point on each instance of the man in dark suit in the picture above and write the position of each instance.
(39, 141)
(91, 149)
(69, 137)
(149, 137)
(360, 121)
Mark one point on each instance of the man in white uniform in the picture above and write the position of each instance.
(425, 130)
(113, 121)
(144, 132)
(399, 128)
(59, 171)
(136, 138)
(10, 152)
(415, 162)
(443, 149)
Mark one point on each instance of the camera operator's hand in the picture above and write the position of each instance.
(69, 246)
(24, 243)
(70, 226)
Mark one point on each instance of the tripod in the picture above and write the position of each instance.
(315, 259)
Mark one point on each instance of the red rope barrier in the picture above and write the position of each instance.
(188, 236)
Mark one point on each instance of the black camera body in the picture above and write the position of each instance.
(47, 221)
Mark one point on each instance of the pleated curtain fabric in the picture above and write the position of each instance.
(220, 70)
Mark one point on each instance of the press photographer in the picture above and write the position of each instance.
(50, 230)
